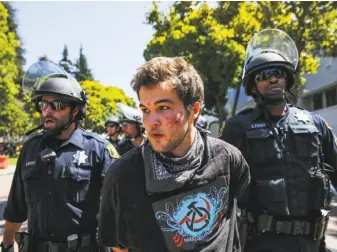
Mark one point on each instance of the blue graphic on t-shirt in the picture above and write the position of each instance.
(195, 215)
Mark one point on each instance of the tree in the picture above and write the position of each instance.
(65, 62)
(210, 38)
(214, 39)
(83, 71)
(13, 119)
(102, 103)
(12, 26)
(43, 58)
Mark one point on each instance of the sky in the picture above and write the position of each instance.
(113, 35)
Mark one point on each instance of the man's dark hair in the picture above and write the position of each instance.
(181, 75)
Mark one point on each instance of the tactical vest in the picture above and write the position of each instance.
(286, 164)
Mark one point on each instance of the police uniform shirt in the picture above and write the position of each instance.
(114, 143)
(234, 133)
(286, 157)
(199, 216)
(124, 146)
(61, 197)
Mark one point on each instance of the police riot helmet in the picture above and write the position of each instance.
(129, 114)
(47, 78)
(270, 48)
(112, 119)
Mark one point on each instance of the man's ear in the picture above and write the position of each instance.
(195, 111)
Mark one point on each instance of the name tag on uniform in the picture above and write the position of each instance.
(258, 125)
(30, 163)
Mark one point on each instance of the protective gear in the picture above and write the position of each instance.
(131, 115)
(270, 48)
(112, 119)
(45, 78)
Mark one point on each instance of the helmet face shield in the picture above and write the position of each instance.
(39, 73)
(271, 41)
(47, 78)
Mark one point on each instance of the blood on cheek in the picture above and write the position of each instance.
(174, 120)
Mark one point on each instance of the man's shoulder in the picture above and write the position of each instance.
(241, 117)
(220, 147)
(32, 140)
(127, 166)
(94, 137)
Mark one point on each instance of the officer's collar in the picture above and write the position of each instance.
(76, 138)
(259, 112)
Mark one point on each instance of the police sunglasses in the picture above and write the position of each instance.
(266, 74)
(55, 105)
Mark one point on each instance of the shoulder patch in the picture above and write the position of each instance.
(223, 126)
(327, 124)
(112, 151)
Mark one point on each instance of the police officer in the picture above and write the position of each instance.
(132, 127)
(292, 154)
(58, 178)
(113, 129)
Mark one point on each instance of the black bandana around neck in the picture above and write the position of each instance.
(164, 174)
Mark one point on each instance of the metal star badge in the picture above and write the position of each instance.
(302, 117)
(80, 157)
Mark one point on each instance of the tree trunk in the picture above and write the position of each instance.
(237, 95)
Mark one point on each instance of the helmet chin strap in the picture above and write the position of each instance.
(272, 99)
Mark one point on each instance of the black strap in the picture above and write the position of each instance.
(268, 223)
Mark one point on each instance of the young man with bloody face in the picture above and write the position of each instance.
(177, 191)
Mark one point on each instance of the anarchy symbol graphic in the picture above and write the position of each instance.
(196, 216)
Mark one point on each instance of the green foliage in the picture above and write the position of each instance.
(12, 26)
(65, 62)
(102, 102)
(213, 39)
(13, 119)
(43, 58)
(83, 72)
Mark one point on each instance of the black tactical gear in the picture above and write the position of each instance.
(289, 192)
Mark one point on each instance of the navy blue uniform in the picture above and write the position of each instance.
(124, 146)
(61, 197)
(289, 188)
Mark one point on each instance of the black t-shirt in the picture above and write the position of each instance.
(200, 216)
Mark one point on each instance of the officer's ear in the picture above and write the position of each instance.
(75, 110)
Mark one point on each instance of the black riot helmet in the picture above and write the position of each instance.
(270, 48)
(113, 120)
(131, 115)
(45, 78)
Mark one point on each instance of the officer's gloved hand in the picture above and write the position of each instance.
(9, 248)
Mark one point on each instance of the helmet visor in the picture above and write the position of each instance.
(275, 41)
